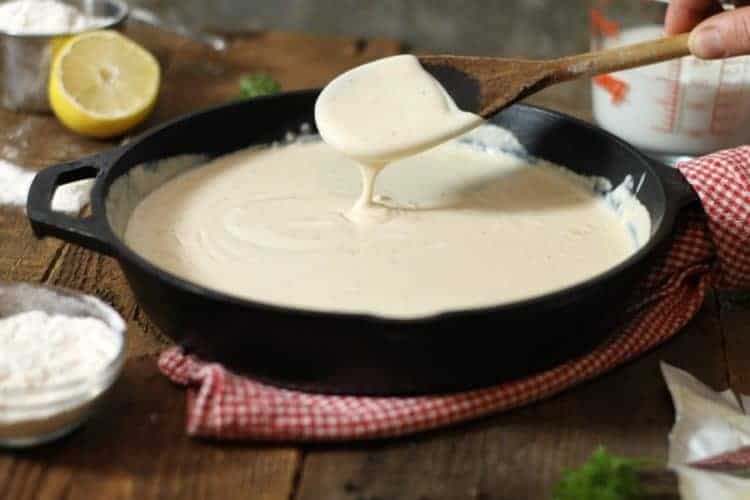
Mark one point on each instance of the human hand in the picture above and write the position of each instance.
(716, 33)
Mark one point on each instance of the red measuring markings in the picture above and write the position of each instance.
(605, 26)
(615, 87)
(671, 100)
(698, 106)
(729, 98)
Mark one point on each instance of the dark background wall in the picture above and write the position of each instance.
(534, 28)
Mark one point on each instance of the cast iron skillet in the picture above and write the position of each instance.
(359, 354)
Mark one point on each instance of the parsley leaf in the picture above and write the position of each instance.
(602, 477)
(258, 84)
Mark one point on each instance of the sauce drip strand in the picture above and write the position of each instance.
(383, 111)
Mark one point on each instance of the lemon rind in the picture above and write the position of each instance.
(143, 106)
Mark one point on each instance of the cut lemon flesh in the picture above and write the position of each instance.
(103, 84)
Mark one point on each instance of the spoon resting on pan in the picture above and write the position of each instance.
(485, 85)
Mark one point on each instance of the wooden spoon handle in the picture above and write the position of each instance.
(630, 56)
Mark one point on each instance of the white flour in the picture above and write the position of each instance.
(38, 350)
(34, 17)
(15, 182)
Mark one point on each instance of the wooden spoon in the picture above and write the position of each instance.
(485, 85)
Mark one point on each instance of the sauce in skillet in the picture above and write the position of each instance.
(454, 225)
(466, 226)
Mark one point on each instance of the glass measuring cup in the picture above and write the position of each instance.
(673, 110)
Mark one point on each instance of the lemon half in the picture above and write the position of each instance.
(103, 84)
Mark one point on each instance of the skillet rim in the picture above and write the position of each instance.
(122, 251)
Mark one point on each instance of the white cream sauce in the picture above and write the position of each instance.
(383, 111)
(466, 227)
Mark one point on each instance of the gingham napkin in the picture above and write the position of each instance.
(710, 249)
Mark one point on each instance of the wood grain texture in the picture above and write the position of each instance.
(136, 447)
(522, 454)
(735, 324)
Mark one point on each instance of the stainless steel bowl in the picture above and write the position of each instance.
(25, 59)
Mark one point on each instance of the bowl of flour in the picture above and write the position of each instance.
(29, 32)
(60, 353)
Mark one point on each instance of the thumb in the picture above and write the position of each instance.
(724, 35)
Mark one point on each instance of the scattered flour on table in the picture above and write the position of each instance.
(15, 183)
(39, 350)
(45, 17)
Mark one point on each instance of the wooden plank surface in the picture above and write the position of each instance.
(521, 454)
(735, 325)
(136, 447)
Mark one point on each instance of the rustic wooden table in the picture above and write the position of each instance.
(136, 448)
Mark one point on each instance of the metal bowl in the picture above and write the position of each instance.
(25, 59)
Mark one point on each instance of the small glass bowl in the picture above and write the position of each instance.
(30, 417)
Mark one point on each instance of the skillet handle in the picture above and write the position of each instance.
(91, 232)
(680, 192)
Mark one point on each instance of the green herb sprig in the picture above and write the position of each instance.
(602, 477)
(258, 84)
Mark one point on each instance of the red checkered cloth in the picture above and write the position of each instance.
(710, 250)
